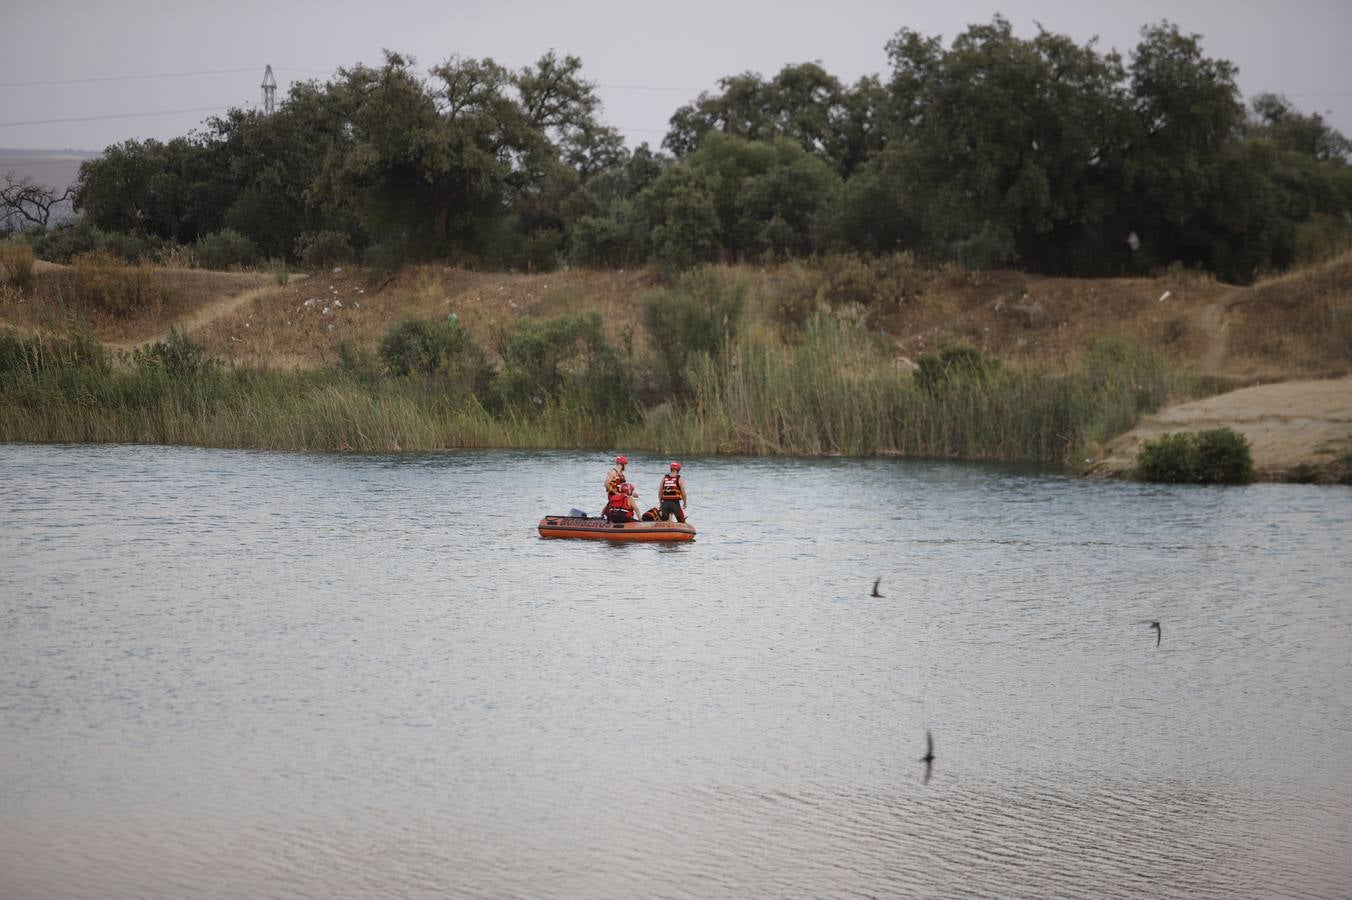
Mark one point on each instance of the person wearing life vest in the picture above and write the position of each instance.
(621, 506)
(672, 494)
(615, 477)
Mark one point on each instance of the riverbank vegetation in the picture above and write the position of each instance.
(991, 150)
(1213, 456)
(706, 376)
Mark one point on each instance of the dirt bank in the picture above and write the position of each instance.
(1296, 428)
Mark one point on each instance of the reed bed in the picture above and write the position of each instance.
(317, 411)
(837, 390)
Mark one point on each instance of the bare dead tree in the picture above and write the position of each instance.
(24, 200)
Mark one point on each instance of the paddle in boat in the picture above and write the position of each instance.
(595, 528)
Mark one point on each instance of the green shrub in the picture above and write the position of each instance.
(1216, 456)
(1169, 459)
(689, 231)
(698, 315)
(882, 282)
(595, 241)
(439, 349)
(358, 361)
(324, 249)
(952, 365)
(385, 258)
(1223, 457)
(612, 240)
(69, 241)
(16, 264)
(131, 248)
(225, 249)
(542, 250)
(1322, 236)
(566, 359)
(990, 247)
(177, 355)
(64, 243)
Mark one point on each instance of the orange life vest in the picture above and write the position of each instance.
(617, 508)
(671, 488)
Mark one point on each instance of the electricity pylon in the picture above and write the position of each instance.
(269, 92)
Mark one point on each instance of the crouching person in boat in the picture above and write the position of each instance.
(672, 495)
(621, 507)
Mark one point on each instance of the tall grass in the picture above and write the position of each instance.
(69, 390)
(326, 411)
(837, 390)
(16, 264)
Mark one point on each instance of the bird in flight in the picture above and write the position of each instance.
(928, 758)
(1159, 634)
(875, 587)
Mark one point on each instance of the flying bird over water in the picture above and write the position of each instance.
(928, 758)
(875, 587)
(1155, 627)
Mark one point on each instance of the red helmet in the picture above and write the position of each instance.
(627, 487)
(621, 460)
(676, 466)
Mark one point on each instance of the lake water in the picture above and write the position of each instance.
(244, 674)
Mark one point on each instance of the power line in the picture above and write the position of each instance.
(12, 84)
(646, 87)
(135, 115)
(100, 78)
(171, 112)
(611, 87)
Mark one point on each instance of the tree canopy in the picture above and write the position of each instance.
(990, 149)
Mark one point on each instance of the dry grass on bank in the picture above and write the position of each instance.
(115, 302)
(1020, 318)
(303, 324)
(1296, 325)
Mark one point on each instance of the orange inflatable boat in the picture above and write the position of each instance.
(598, 529)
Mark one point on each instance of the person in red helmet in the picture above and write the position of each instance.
(615, 477)
(621, 506)
(672, 494)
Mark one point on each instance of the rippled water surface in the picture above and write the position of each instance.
(242, 674)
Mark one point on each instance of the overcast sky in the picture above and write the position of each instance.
(647, 58)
